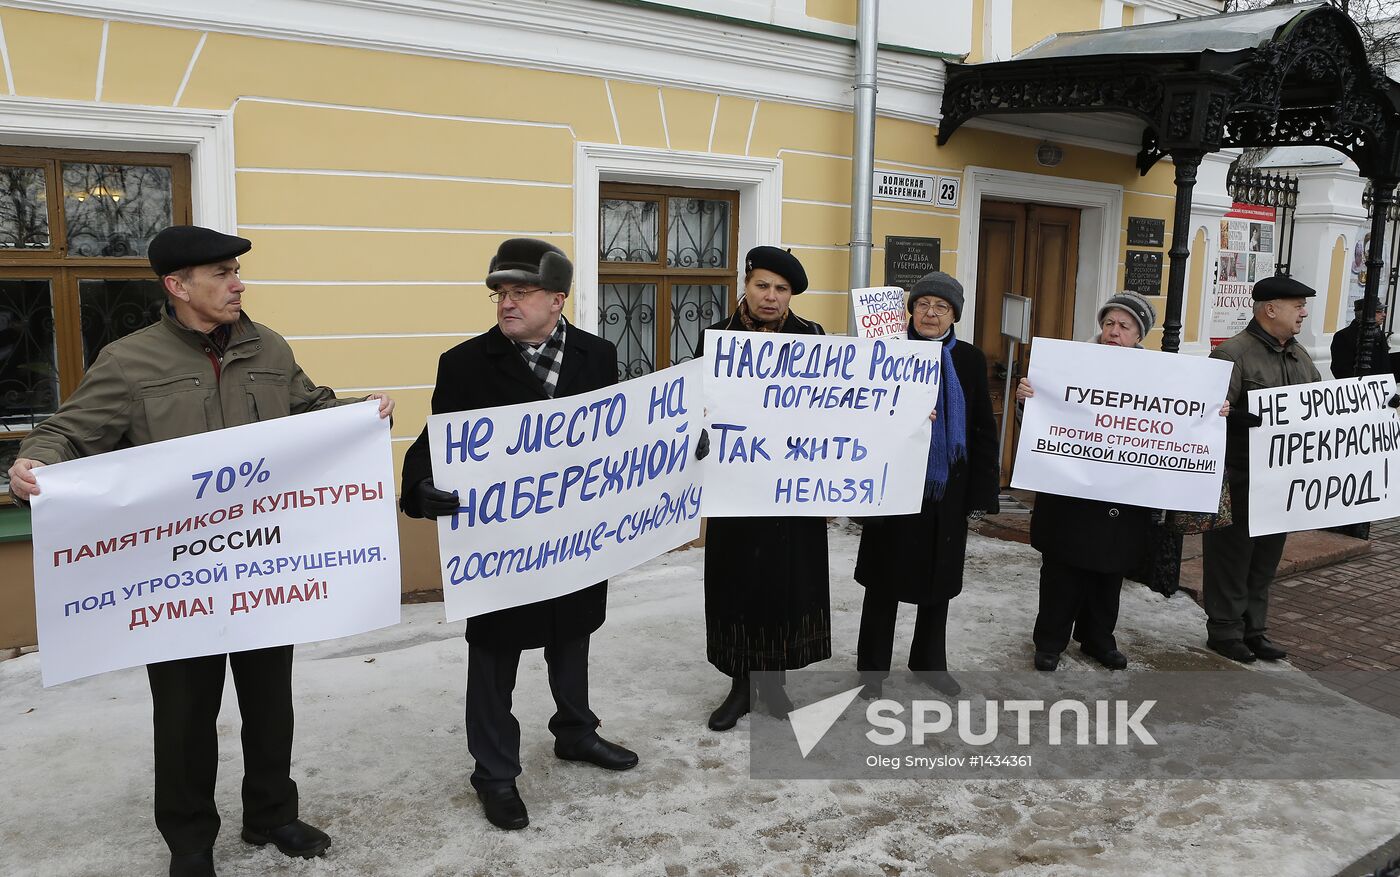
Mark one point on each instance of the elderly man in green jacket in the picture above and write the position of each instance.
(203, 366)
(1238, 569)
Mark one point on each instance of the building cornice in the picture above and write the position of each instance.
(589, 37)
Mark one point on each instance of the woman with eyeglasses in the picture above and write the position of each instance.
(919, 558)
(767, 603)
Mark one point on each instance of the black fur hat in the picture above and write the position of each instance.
(527, 260)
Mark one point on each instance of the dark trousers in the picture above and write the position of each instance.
(493, 734)
(1076, 600)
(1237, 572)
(875, 648)
(185, 698)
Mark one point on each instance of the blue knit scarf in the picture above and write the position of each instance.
(949, 445)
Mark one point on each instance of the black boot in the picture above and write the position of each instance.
(775, 699)
(735, 706)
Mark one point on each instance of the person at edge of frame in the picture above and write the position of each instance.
(531, 354)
(203, 366)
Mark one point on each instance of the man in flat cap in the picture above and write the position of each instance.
(203, 366)
(531, 354)
(1238, 569)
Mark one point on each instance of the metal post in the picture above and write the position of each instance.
(1006, 398)
(863, 149)
(1187, 162)
(1382, 197)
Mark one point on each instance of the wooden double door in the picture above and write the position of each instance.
(1030, 250)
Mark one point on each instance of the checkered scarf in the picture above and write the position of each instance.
(548, 358)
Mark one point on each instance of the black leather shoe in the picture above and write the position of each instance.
(296, 838)
(735, 706)
(596, 750)
(503, 808)
(1263, 649)
(774, 697)
(1112, 658)
(872, 686)
(1233, 649)
(939, 680)
(1047, 661)
(193, 865)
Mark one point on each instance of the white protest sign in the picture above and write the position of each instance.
(1324, 456)
(814, 425)
(880, 311)
(262, 535)
(1124, 425)
(560, 494)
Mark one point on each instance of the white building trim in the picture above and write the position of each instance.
(206, 136)
(1100, 226)
(759, 182)
(568, 36)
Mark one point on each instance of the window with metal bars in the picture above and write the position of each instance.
(667, 269)
(74, 229)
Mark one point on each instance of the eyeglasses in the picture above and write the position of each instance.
(513, 294)
(939, 308)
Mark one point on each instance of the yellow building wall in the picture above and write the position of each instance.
(375, 185)
(1033, 20)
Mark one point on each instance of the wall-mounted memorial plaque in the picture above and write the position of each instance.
(908, 259)
(1144, 274)
(1144, 231)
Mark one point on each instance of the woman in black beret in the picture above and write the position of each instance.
(919, 558)
(767, 605)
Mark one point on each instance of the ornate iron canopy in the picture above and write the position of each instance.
(1279, 76)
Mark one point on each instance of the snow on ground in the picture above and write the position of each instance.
(382, 764)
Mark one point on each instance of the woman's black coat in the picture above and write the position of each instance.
(919, 558)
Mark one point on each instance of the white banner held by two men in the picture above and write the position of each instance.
(1124, 425)
(1324, 456)
(880, 311)
(560, 494)
(263, 535)
(816, 425)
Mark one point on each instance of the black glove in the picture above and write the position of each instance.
(702, 447)
(433, 502)
(1242, 417)
(1394, 401)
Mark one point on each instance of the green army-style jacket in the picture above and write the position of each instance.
(162, 382)
(1260, 362)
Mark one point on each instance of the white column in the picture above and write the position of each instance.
(996, 30)
(1112, 14)
(1329, 206)
(1210, 204)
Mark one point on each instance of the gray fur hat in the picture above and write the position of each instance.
(1140, 308)
(528, 260)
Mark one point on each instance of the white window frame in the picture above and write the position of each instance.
(759, 182)
(206, 136)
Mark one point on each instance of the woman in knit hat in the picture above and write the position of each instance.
(1086, 546)
(918, 558)
(767, 606)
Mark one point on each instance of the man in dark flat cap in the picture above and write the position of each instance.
(531, 354)
(1238, 569)
(203, 366)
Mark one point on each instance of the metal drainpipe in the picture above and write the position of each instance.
(863, 150)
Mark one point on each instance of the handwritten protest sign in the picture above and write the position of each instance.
(557, 495)
(1124, 425)
(880, 311)
(814, 425)
(1324, 456)
(263, 535)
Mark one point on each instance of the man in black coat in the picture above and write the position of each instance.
(531, 354)
(1344, 345)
